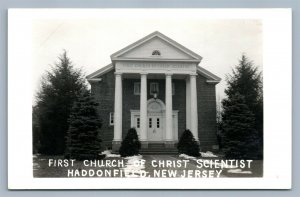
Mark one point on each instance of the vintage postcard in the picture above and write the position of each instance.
(149, 99)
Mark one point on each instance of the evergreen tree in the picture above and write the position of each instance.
(59, 89)
(246, 81)
(130, 145)
(83, 137)
(240, 135)
(188, 145)
(35, 131)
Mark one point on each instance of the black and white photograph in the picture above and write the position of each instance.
(147, 95)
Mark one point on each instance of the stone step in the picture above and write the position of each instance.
(159, 151)
(156, 145)
(160, 145)
(156, 148)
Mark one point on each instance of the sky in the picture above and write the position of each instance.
(90, 41)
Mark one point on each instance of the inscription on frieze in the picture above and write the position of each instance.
(156, 66)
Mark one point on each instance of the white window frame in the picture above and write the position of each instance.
(111, 119)
(151, 88)
(137, 88)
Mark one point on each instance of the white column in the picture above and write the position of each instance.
(194, 111)
(143, 108)
(188, 103)
(169, 110)
(118, 108)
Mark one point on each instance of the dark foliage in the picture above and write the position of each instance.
(240, 135)
(58, 92)
(35, 131)
(245, 91)
(247, 81)
(188, 145)
(83, 137)
(130, 145)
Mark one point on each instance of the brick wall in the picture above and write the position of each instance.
(104, 93)
(207, 127)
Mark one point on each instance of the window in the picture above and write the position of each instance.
(137, 122)
(111, 118)
(137, 88)
(157, 123)
(153, 88)
(173, 89)
(150, 122)
(156, 52)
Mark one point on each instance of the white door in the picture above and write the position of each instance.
(137, 124)
(155, 128)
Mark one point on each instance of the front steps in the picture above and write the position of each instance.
(158, 149)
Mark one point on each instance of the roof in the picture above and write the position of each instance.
(101, 71)
(211, 78)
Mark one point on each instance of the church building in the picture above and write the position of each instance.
(157, 86)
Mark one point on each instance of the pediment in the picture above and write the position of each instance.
(156, 46)
(140, 55)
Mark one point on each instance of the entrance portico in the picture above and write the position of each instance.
(162, 123)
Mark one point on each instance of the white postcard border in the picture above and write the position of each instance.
(277, 73)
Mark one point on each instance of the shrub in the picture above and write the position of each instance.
(188, 145)
(130, 145)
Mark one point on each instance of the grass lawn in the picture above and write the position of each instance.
(154, 166)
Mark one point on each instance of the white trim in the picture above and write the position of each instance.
(194, 108)
(100, 72)
(143, 108)
(111, 119)
(212, 81)
(188, 102)
(154, 60)
(94, 80)
(162, 104)
(169, 108)
(118, 108)
(151, 36)
(211, 77)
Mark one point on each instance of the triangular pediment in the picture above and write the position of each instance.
(156, 46)
(166, 50)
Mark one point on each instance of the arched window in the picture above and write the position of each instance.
(156, 52)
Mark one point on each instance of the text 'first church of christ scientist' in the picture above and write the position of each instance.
(156, 86)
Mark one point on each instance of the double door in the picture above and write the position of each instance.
(155, 125)
(155, 131)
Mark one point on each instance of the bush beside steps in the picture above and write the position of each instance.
(188, 145)
(131, 145)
